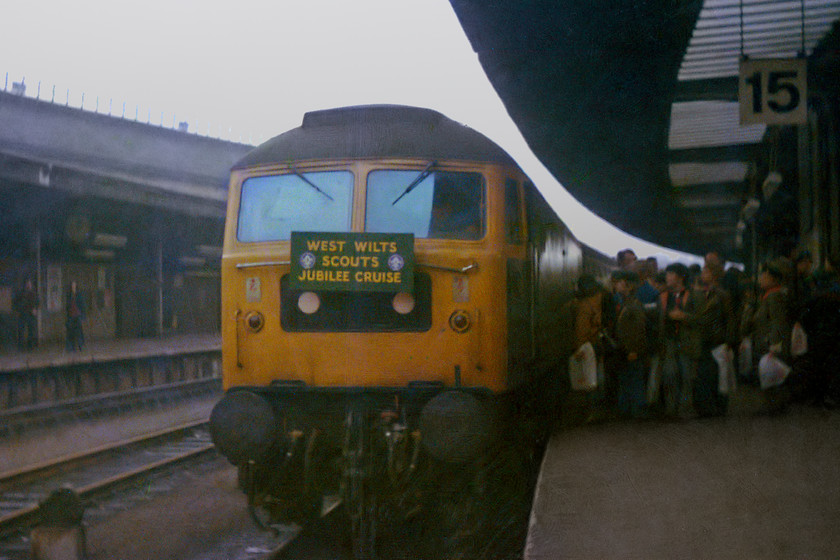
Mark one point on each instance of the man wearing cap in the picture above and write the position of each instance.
(716, 326)
(770, 324)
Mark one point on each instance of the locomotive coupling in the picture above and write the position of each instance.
(456, 426)
(243, 427)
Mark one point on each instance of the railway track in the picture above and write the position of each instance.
(111, 478)
(17, 421)
(116, 477)
(94, 472)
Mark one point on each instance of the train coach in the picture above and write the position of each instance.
(390, 282)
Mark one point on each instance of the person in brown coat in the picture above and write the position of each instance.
(770, 325)
(587, 309)
(630, 331)
(587, 313)
(716, 326)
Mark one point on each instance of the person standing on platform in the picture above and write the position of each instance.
(716, 326)
(631, 334)
(75, 315)
(626, 259)
(802, 294)
(821, 321)
(713, 258)
(770, 325)
(680, 346)
(647, 293)
(587, 314)
(26, 306)
(692, 282)
(804, 284)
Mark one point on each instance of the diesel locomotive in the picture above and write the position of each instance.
(390, 287)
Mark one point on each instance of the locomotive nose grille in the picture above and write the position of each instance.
(357, 311)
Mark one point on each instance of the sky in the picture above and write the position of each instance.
(248, 70)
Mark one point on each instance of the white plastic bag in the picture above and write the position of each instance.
(583, 368)
(772, 371)
(725, 359)
(798, 340)
(745, 357)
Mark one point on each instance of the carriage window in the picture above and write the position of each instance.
(443, 205)
(272, 207)
(513, 215)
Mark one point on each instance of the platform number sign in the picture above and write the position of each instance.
(773, 91)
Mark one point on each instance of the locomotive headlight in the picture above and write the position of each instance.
(255, 321)
(403, 303)
(460, 321)
(309, 302)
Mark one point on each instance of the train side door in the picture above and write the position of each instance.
(519, 300)
(548, 325)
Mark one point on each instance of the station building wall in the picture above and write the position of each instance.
(95, 281)
(121, 300)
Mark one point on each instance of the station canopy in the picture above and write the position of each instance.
(633, 104)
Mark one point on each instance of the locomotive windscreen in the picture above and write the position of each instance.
(443, 205)
(274, 206)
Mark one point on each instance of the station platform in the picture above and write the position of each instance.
(92, 431)
(55, 355)
(748, 485)
(50, 375)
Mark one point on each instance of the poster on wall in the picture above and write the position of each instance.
(54, 288)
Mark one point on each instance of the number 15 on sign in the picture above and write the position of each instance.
(773, 91)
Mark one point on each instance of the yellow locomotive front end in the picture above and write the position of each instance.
(344, 322)
(375, 296)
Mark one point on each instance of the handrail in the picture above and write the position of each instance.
(462, 270)
(262, 263)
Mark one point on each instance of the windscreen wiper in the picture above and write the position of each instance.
(417, 180)
(310, 183)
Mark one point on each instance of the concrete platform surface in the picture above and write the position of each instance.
(106, 350)
(743, 486)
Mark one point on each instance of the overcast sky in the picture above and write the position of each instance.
(248, 70)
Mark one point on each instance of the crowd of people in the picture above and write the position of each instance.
(677, 343)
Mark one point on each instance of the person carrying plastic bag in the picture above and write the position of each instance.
(716, 327)
(770, 331)
(586, 313)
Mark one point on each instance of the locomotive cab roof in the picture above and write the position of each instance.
(376, 131)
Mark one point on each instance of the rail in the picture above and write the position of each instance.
(92, 472)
